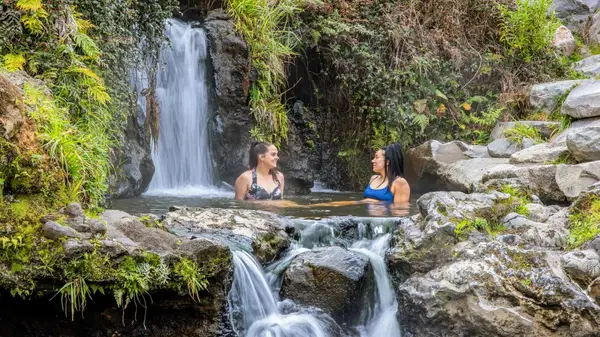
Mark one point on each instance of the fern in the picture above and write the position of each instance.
(10, 25)
(14, 62)
(421, 120)
(29, 5)
(85, 71)
(33, 22)
(87, 45)
(83, 25)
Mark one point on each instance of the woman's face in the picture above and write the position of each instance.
(270, 158)
(379, 162)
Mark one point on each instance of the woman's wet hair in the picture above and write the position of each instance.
(394, 162)
(256, 149)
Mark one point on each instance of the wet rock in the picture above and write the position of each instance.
(263, 231)
(584, 144)
(564, 42)
(78, 224)
(54, 231)
(541, 95)
(538, 154)
(582, 266)
(583, 101)
(152, 239)
(333, 279)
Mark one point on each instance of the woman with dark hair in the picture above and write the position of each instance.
(388, 184)
(262, 181)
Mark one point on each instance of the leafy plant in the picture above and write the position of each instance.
(584, 221)
(521, 131)
(527, 29)
(478, 224)
(189, 272)
(73, 296)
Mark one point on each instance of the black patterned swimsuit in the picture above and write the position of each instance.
(258, 193)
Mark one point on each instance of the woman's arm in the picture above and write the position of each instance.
(401, 191)
(242, 185)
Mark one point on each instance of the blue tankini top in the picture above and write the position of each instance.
(381, 194)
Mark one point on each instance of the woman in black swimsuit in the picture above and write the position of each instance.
(262, 181)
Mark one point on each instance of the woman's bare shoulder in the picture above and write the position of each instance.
(245, 176)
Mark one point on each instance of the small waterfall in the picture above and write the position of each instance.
(384, 322)
(253, 307)
(182, 162)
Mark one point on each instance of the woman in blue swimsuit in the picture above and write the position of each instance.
(262, 181)
(388, 184)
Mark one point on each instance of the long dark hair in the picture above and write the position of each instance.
(257, 149)
(394, 162)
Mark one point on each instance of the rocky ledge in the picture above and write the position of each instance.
(498, 264)
(133, 274)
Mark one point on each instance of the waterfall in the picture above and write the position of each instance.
(253, 306)
(182, 160)
(384, 322)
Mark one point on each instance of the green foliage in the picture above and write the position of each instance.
(13, 62)
(584, 221)
(527, 30)
(521, 131)
(190, 274)
(467, 226)
(73, 296)
(518, 197)
(565, 158)
(265, 26)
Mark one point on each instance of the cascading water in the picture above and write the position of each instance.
(182, 160)
(253, 307)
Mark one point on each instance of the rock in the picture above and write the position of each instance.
(561, 138)
(589, 66)
(537, 212)
(467, 175)
(111, 215)
(496, 290)
(73, 247)
(539, 154)
(564, 41)
(545, 94)
(477, 151)
(332, 278)
(583, 101)
(232, 119)
(74, 209)
(54, 231)
(424, 161)
(535, 234)
(263, 231)
(584, 144)
(594, 31)
(132, 160)
(77, 223)
(583, 266)
(565, 9)
(114, 248)
(152, 239)
(97, 227)
(11, 111)
(549, 182)
(504, 148)
(594, 290)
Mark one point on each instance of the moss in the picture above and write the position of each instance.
(467, 226)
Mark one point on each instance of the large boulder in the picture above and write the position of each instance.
(583, 101)
(230, 126)
(504, 283)
(467, 175)
(262, 231)
(333, 279)
(576, 14)
(584, 144)
(546, 97)
(561, 138)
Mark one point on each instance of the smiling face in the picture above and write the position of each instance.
(270, 158)
(379, 162)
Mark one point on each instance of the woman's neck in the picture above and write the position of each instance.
(262, 170)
